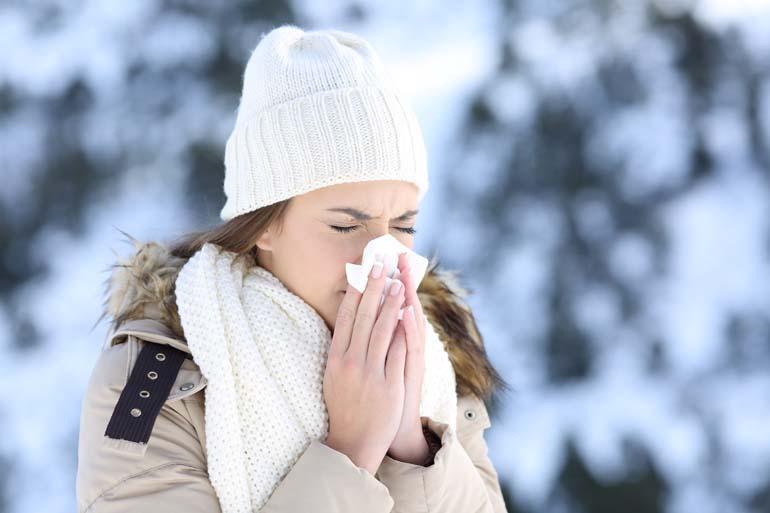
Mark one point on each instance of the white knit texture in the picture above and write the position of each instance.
(263, 351)
(317, 109)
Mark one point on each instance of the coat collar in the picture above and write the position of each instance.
(139, 299)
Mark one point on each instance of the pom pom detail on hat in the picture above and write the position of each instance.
(317, 109)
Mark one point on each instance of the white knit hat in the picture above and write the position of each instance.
(317, 109)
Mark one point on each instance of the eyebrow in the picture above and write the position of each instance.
(363, 216)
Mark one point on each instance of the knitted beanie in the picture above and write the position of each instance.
(317, 109)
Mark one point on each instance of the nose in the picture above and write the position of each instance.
(378, 230)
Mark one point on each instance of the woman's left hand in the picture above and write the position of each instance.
(409, 443)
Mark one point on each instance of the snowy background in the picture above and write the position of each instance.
(607, 161)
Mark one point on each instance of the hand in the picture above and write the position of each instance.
(363, 383)
(409, 443)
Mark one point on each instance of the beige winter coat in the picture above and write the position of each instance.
(168, 473)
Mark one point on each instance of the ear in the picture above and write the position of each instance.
(265, 241)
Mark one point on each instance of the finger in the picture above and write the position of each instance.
(382, 332)
(386, 290)
(414, 347)
(411, 292)
(366, 314)
(343, 326)
(394, 366)
(403, 268)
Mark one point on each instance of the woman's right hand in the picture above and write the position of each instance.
(363, 383)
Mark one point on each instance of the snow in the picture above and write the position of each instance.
(702, 417)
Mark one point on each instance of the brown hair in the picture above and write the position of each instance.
(238, 235)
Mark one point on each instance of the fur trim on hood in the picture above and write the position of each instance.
(142, 286)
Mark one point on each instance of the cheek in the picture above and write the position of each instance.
(328, 276)
(324, 257)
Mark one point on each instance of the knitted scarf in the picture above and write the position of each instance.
(263, 351)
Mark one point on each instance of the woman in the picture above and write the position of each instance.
(316, 396)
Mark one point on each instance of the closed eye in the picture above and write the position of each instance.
(347, 229)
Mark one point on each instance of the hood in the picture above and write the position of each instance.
(141, 286)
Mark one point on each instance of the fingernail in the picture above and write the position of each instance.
(395, 287)
(410, 311)
(376, 269)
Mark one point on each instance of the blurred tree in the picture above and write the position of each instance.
(595, 120)
(68, 176)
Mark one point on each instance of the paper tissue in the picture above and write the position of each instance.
(386, 248)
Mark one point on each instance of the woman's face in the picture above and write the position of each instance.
(308, 255)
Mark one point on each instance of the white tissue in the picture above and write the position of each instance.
(386, 249)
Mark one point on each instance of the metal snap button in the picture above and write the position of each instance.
(160, 357)
(186, 386)
(152, 375)
(144, 393)
(470, 414)
(136, 412)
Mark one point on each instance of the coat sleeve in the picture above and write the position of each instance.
(461, 479)
(170, 474)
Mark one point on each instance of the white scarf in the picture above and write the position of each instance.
(263, 351)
